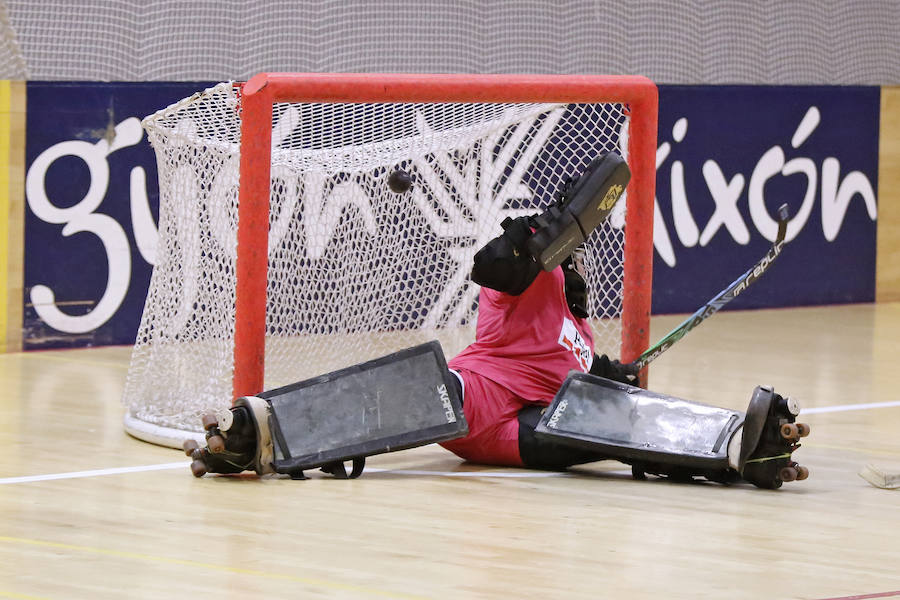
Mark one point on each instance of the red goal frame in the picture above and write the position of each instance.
(263, 90)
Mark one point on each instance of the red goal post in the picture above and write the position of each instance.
(261, 92)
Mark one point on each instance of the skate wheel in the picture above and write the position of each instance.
(788, 474)
(197, 454)
(216, 444)
(198, 468)
(802, 473)
(802, 429)
(189, 446)
(209, 421)
(790, 431)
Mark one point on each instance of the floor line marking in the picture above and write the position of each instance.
(524, 474)
(866, 596)
(93, 473)
(323, 583)
(495, 474)
(846, 407)
(16, 596)
(184, 465)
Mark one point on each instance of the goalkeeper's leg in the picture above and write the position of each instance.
(664, 435)
(502, 430)
(406, 399)
(510, 262)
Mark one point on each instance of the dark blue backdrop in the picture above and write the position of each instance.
(75, 267)
(733, 126)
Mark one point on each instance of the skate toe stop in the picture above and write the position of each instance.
(793, 405)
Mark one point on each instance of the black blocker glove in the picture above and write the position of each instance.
(613, 369)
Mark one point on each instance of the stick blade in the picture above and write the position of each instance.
(880, 478)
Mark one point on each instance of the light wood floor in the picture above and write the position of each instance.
(421, 524)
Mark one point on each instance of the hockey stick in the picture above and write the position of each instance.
(721, 299)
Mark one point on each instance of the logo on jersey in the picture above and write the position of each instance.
(572, 340)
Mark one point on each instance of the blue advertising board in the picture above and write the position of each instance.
(91, 207)
(727, 157)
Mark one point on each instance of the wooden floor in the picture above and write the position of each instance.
(88, 512)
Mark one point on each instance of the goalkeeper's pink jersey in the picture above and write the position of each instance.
(528, 343)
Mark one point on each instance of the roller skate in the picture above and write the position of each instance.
(582, 204)
(237, 440)
(770, 435)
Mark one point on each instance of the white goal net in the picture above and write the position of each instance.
(355, 271)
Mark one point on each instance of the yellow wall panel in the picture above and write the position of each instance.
(12, 196)
(887, 284)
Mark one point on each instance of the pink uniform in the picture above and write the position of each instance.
(524, 347)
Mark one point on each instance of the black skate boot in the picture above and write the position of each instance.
(237, 440)
(582, 205)
(769, 437)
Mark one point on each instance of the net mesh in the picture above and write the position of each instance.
(355, 271)
(671, 41)
(12, 62)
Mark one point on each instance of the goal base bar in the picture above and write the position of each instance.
(161, 436)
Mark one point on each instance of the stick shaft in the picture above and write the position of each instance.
(721, 299)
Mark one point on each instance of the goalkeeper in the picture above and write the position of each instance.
(532, 331)
(532, 328)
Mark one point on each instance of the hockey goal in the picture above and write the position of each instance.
(283, 254)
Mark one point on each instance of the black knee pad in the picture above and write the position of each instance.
(504, 264)
(539, 453)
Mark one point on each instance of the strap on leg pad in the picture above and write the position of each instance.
(339, 469)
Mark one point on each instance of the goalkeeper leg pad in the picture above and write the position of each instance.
(403, 400)
(664, 435)
(583, 204)
(406, 399)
